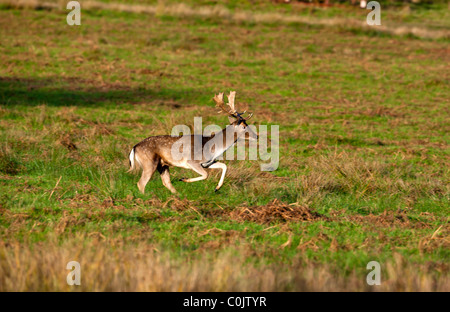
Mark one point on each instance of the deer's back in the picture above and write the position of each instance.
(163, 147)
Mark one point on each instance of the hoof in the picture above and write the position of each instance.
(215, 190)
(182, 179)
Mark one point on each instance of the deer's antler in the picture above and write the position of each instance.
(249, 116)
(231, 98)
(229, 108)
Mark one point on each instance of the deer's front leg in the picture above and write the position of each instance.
(197, 168)
(222, 166)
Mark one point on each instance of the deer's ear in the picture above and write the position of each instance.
(231, 119)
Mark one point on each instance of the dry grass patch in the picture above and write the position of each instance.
(389, 219)
(275, 211)
(239, 16)
(351, 174)
(149, 268)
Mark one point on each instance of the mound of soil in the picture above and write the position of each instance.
(275, 211)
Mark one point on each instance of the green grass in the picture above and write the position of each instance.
(363, 131)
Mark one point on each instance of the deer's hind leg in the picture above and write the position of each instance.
(149, 165)
(165, 177)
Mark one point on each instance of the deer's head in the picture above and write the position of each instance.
(237, 120)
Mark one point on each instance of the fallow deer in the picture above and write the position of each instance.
(156, 152)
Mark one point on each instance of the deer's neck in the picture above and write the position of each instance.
(229, 138)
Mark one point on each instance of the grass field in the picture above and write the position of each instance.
(364, 149)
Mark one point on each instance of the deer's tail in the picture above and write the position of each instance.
(132, 158)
